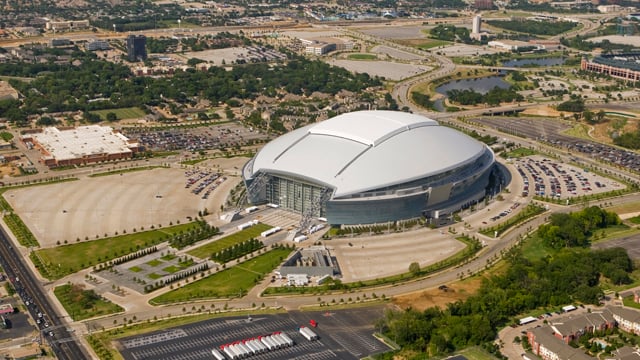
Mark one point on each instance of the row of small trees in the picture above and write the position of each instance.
(237, 250)
(205, 231)
(176, 277)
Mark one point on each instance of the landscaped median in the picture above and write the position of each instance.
(83, 304)
(55, 263)
(208, 250)
(530, 211)
(235, 281)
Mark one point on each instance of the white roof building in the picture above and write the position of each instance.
(84, 142)
(364, 150)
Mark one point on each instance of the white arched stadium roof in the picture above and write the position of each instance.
(366, 150)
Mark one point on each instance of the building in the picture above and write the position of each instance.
(483, 4)
(319, 48)
(477, 21)
(621, 66)
(627, 319)
(136, 47)
(80, 146)
(312, 261)
(96, 45)
(551, 341)
(514, 45)
(571, 329)
(363, 167)
(67, 25)
(548, 347)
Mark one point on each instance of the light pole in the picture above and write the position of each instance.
(114, 27)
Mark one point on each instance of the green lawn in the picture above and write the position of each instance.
(154, 262)
(135, 269)
(82, 304)
(533, 248)
(634, 220)
(476, 353)
(520, 152)
(228, 283)
(68, 259)
(6, 136)
(205, 251)
(122, 113)
(171, 269)
(432, 43)
(154, 276)
(362, 56)
(168, 257)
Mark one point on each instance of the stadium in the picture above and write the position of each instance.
(369, 167)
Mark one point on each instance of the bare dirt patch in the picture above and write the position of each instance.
(379, 256)
(541, 111)
(602, 132)
(435, 297)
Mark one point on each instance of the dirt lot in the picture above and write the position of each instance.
(371, 257)
(387, 69)
(106, 204)
(435, 297)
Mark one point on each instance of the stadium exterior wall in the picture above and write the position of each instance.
(436, 193)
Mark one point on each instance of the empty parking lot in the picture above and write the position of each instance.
(343, 334)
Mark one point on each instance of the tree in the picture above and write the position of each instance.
(414, 268)
(111, 116)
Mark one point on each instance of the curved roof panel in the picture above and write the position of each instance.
(367, 150)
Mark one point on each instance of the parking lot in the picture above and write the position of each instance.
(550, 130)
(343, 334)
(194, 139)
(549, 178)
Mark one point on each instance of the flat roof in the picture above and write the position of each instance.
(82, 141)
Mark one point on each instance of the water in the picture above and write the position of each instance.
(481, 85)
(555, 61)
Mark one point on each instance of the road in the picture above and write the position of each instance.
(491, 253)
(63, 344)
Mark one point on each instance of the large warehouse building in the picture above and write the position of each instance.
(370, 167)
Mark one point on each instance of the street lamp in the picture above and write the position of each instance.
(114, 27)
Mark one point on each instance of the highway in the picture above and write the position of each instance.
(63, 344)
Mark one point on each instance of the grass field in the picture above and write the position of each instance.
(534, 249)
(579, 131)
(122, 113)
(82, 304)
(476, 353)
(432, 43)
(205, 251)
(6, 136)
(231, 282)
(67, 259)
(626, 208)
(362, 57)
(520, 152)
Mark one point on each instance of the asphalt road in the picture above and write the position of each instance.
(27, 286)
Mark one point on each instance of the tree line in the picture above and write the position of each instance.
(493, 97)
(569, 275)
(96, 84)
(534, 27)
(237, 250)
(575, 229)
